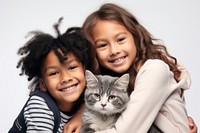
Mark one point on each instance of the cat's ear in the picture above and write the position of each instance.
(90, 78)
(123, 80)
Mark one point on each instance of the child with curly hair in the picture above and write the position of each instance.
(56, 69)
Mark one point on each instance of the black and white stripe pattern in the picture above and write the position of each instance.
(39, 118)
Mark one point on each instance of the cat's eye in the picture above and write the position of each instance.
(111, 97)
(96, 96)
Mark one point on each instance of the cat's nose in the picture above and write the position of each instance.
(103, 105)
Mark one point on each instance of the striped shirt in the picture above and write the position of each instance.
(39, 118)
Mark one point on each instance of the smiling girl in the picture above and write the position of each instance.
(56, 69)
(157, 81)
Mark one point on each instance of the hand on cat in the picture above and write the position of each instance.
(192, 125)
(74, 125)
(70, 128)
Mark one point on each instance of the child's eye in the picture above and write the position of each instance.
(72, 67)
(53, 73)
(101, 45)
(121, 39)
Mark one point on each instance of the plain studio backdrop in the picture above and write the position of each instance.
(176, 22)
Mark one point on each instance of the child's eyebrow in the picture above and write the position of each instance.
(68, 61)
(121, 33)
(102, 39)
(71, 60)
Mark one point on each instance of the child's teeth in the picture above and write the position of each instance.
(118, 60)
(70, 88)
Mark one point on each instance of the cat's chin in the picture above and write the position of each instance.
(107, 112)
(101, 111)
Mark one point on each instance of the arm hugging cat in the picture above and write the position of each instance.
(105, 98)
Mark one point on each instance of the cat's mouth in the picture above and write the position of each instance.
(103, 109)
(68, 88)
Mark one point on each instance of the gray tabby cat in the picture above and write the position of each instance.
(105, 98)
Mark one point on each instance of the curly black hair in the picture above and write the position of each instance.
(37, 48)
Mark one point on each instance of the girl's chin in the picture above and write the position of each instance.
(119, 70)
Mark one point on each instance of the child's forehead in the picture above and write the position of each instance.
(71, 57)
(52, 59)
(67, 54)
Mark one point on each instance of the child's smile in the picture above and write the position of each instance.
(65, 81)
(67, 89)
(117, 61)
(115, 46)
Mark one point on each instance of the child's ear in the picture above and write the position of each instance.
(42, 85)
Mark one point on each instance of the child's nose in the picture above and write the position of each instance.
(114, 50)
(66, 78)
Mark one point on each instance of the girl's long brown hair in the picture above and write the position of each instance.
(144, 41)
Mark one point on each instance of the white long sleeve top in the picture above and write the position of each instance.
(156, 98)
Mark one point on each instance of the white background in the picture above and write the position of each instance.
(176, 22)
